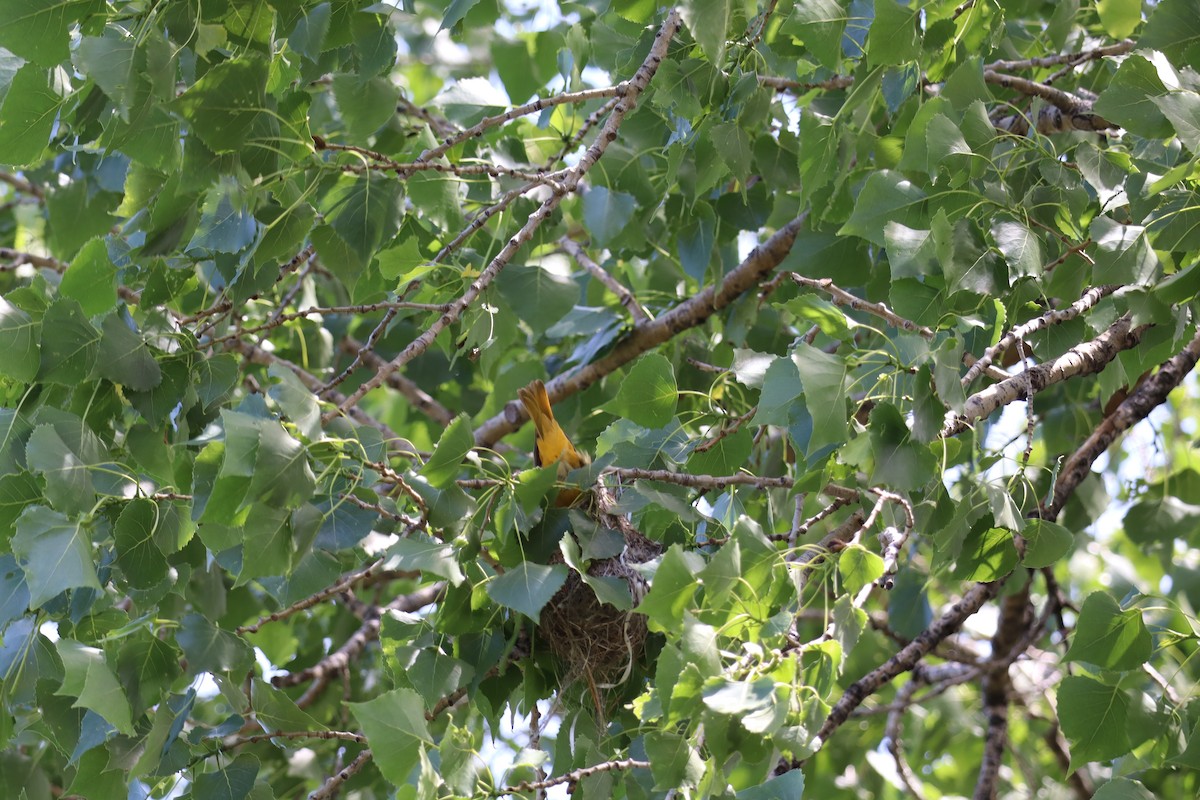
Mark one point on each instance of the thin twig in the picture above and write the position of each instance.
(343, 583)
(535, 107)
(576, 251)
(572, 776)
(705, 482)
(841, 297)
(330, 788)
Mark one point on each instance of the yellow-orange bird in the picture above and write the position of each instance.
(551, 445)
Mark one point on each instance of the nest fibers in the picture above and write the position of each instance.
(597, 641)
(592, 637)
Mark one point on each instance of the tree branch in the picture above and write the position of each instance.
(1082, 359)
(1136, 407)
(1018, 334)
(576, 251)
(688, 314)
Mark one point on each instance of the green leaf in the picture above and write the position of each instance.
(19, 357)
(274, 461)
(527, 587)
(147, 666)
(124, 357)
(886, 197)
(648, 395)
(1109, 637)
(1190, 757)
(1129, 98)
(78, 213)
(725, 457)
(275, 711)
(539, 294)
(66, 462)
(1174, 28)
(708, 20)
(69, 344)
(14, 594)
(232, 782)
(988, 554)
(722, 575)
(1045, 543)
(1122, 254)
(899, 461)
(1094, 718)
(211, 649)
(88, 679)
(138, 553)
(894, 37)
(1119, 17)
(608, 589)
(1183, 110)
(455, 11)
(91, 279)
(425, 555)
(55, 552)
(296, 402)
(364, 211)
(606, 214)
(27, 115)
(967, 261)
(38, 31)
(109, 60)
(739, 698)
(673, 762)
(1103, 174)
(437, 196)
(859, 567)
(823, 376)
(819, 25)
(672, 589)
(943, 140)
(781, 387)
(214, 377)
(787, 786)
(816, 310)
(222, 107)
(910, 252)
(1125, 789)
(284, 229)
(395, 727)
(1021, 249)
(1180, 287)
(365, 104)
(457, 440)
(226, 222)
(734, 147)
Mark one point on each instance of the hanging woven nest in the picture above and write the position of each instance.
(590, 636)
(596, 640)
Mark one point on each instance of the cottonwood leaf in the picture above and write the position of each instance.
(648, 395)
(19, 355)
(88, 679)
(1109, 637)
(395, 727)
(56, 554)
(124, 357)
(1094, 717)
(70, 344)
(527, 587)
